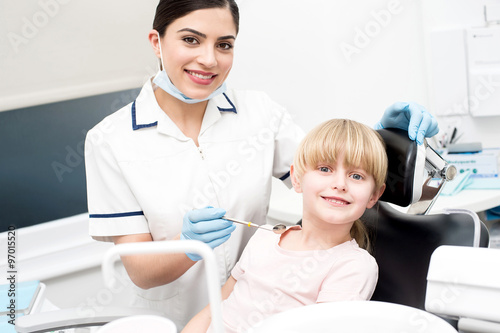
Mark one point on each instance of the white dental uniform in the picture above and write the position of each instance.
(144, 174)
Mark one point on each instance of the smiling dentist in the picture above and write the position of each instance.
(187, 151)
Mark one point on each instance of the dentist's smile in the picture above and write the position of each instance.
(201, 77)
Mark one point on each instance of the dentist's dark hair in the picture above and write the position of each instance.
(168, 11)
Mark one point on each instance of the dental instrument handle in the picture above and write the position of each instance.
(277, 229)
(249, 224)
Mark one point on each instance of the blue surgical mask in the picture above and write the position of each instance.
(163, 81)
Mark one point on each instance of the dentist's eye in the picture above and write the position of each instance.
(225, 46)
(190, 40)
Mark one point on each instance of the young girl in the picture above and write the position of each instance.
(340, 169)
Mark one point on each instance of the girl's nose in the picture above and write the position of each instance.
(338, 183)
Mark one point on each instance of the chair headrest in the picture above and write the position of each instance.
(410, 171)
(402, 157)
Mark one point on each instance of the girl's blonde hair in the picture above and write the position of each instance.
(360, 145)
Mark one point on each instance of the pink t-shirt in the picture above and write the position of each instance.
(271, 280)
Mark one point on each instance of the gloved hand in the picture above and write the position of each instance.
(207, 226)
(411, 117)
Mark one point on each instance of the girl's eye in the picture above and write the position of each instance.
(190, 40)
(225, 46)
(324, 169)
(357, 176)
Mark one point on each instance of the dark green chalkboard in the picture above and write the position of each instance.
(42, 169)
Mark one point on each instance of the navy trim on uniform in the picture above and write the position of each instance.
(103, 216)
(233, 109)
(134, 123)
(285, 176)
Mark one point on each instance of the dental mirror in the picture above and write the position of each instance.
(277, 229)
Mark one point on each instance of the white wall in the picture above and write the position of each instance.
(461, 14)
(293, 51)
(53, 50)
(58, 49)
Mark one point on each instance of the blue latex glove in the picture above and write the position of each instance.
(410, 117)
(206, 225)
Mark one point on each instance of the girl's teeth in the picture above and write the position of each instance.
(337, 201)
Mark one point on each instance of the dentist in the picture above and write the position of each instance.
(188, 151)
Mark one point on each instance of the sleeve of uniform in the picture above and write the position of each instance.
(287, 138)
(352, 278)
(113, 209)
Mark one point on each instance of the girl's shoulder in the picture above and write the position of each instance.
(352, 253)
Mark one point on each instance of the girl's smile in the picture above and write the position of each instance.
(336, 201)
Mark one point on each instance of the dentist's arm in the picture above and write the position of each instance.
(147, 271)
(153, 270)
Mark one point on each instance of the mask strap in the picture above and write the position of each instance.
(161, 55)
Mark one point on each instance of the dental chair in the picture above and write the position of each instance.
(404, 242)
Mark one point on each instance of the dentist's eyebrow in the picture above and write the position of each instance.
(226, 37)
(205, 36)
(194, 32)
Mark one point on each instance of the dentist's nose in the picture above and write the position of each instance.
(207, 57)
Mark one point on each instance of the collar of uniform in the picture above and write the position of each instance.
(145, 109)
(223, 103)
(217, 105)
(146, 112)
